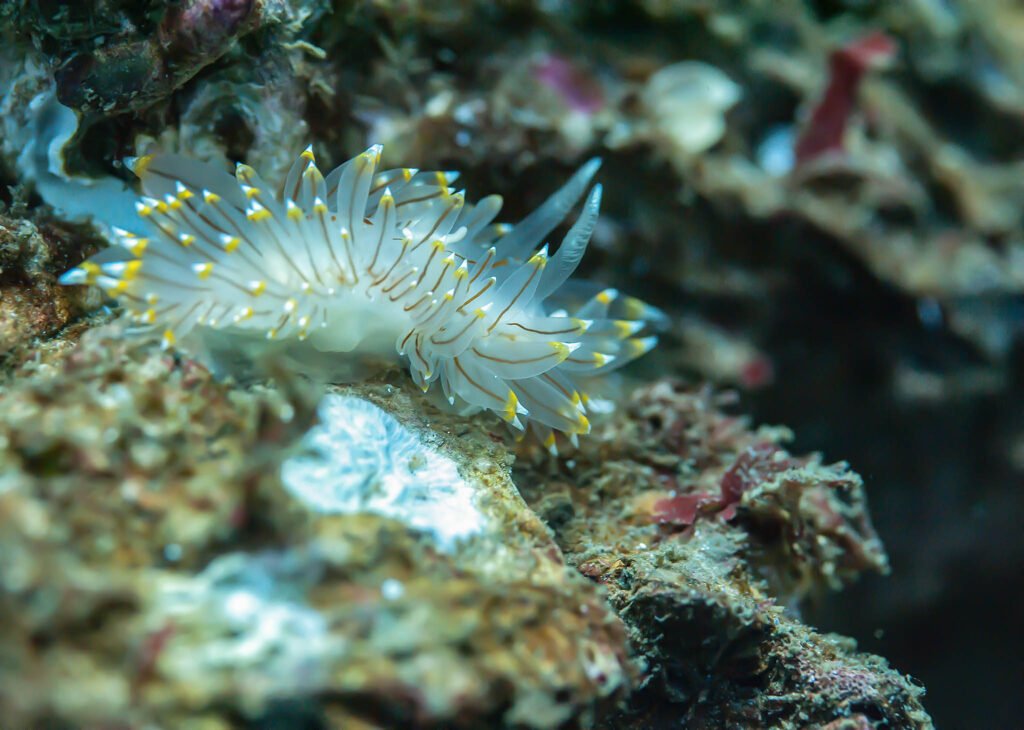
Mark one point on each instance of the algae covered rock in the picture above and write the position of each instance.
(181, 549)
(707, 534)
(33, 253)
(165, 560)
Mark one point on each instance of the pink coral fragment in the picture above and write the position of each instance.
(576, 87)
(826, 127)
(752, 467)
(683, 508)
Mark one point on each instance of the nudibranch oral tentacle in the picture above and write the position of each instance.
(369, 260)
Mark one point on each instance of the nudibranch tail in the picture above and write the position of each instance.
(369, 259)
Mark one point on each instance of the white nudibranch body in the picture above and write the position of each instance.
(362, 260)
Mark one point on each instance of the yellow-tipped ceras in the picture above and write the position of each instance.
(377, 260)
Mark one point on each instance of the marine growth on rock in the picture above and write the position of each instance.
(390, 262)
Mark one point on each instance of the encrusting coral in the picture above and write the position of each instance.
(376, 262)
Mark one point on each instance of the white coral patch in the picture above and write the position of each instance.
(245, 615)
(687, 103)
(360, 459)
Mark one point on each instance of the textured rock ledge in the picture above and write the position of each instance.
(155, 570)
(155, 567)
(707, 535)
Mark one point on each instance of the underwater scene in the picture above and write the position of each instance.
(613, 364)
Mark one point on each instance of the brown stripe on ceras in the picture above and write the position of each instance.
(470, 323)
(475, 384)
(437, 224)
(487, 285)
(536, 270)
(380, 238)
(572, 330)
(514, 362)
(330, 246)
(270, 223)
(540, 404)
(398, 260)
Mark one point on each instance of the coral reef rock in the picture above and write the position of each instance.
(167, 557)
(181, 549)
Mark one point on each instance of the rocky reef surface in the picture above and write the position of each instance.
(181, 551)
(786, 180)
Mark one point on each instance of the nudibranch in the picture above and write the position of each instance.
(392, 261)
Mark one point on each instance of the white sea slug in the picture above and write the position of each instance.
(373, 261)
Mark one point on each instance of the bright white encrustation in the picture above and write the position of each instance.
(245, 616)
(361, 459)
(370, 261)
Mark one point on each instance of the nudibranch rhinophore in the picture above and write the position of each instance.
(363, 260)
